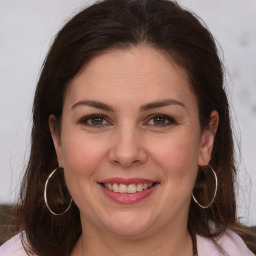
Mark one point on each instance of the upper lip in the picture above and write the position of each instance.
(128, 181)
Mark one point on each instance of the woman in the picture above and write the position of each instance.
(132, 150)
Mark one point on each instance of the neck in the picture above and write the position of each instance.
(166, 242)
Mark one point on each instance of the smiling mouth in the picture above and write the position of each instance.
(127, 189)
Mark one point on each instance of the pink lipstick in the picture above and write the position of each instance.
(127, 190)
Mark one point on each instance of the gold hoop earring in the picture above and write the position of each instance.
(45, 195)
(215, 192)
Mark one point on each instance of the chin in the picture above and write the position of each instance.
(129, 224)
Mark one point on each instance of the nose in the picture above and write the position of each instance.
(128, 149)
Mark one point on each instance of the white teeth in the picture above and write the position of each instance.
(132, 189)
(115, 187)
(124, 189)
(139, 187)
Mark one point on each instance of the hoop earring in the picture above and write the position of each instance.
(215, 192)
(45, 195)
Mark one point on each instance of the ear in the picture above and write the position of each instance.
(56, 138)
(207, 139)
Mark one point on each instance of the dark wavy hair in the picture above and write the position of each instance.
(121, 24)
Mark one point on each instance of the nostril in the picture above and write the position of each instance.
(126, 162)
(127, 156)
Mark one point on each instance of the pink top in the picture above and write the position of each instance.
(230, 242)
(13, 247)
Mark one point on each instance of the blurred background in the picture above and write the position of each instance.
(27, 29)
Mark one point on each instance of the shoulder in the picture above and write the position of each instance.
(13, 247)
(230, 242)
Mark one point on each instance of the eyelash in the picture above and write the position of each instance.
(84, 120)
(170, 120)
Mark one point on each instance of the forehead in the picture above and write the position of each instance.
(141, 73)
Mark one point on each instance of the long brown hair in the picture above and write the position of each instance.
(119, 24)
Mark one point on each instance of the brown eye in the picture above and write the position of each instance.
(161, 120)
(94, 121)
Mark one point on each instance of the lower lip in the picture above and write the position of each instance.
(128, 198)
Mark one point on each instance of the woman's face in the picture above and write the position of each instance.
(131, 143)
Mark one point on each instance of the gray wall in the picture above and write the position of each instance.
(26, 30)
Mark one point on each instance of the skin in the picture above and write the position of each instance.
(130, 143)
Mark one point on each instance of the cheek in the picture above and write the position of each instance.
(82, 157)
(177, 155)
(81, 154)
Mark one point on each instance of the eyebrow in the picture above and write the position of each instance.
(93, 103)
(149, 106)
(159, 104)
